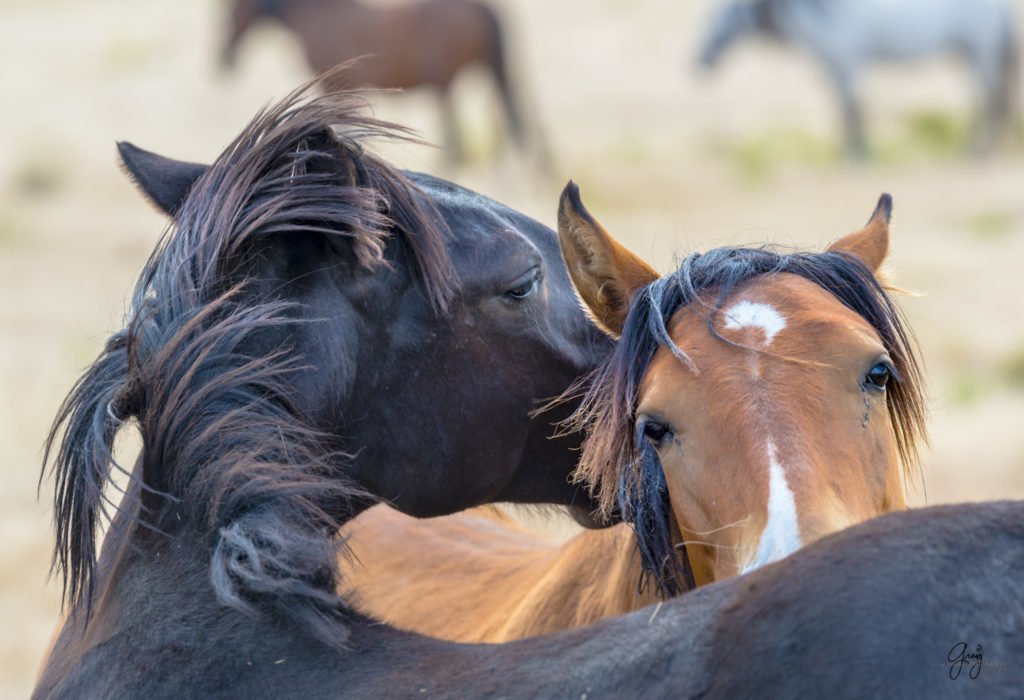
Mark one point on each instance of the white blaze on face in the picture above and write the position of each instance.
(781, 536)
(748, 314)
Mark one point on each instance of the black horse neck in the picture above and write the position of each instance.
(155, 608)
(160, 615)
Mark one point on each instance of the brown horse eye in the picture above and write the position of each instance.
(654, 431)
(879, 375)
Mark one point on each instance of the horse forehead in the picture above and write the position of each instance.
(783, 309)
(754, 315)
(482, 252)
(484, 242)
(784, 315)
(482, 228)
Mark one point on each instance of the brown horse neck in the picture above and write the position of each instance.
(495, 580)
(594, 575)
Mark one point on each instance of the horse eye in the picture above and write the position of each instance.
(879, 375)
(654, 431)
(525, 287)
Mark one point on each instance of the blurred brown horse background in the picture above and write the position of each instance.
(408, 45)
(673, 160)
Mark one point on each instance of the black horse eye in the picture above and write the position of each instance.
(654, 431)
(525, 287)
(879, 375)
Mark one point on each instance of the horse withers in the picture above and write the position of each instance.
(846, 35)
(755, 402)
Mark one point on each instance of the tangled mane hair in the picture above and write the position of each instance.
(226, 450)
(617, 464)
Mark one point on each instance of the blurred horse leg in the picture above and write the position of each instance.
(986, 64)
(853, 123)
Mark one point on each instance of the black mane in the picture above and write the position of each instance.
(615, 464)
(227, 454)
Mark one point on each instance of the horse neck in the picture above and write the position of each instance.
(258, 657)
(496, 580)
(594, 575)
(616, 657)
(127, 551)
(158, 611)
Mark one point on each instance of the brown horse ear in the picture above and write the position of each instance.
(605, 274)
(871, 243)
(164, 181)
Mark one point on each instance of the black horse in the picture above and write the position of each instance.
(298, 344)
(314, 322)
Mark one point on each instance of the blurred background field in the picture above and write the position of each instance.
(668, 158)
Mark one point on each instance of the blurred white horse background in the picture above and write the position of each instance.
(845, 35)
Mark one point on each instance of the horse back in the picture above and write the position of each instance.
(399, 46)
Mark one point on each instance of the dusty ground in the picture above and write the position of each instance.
(668, 159)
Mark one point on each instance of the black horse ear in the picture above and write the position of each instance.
(165, 181)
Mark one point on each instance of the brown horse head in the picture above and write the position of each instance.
(756, 401)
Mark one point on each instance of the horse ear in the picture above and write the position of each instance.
(605, 274)
(871, 243)
(165, 182)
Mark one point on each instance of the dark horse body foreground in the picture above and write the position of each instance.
(883, 609)
(281, 360)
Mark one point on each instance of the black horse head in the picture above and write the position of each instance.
(318, 330)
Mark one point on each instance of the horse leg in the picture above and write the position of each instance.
(853, 127)
(996, 69)
(496, 62)
(243, 15)
(990, 102)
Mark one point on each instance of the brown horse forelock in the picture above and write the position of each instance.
(614, 463)
(247, 468)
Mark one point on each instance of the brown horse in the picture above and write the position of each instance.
(775, 411)
(426, 42)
